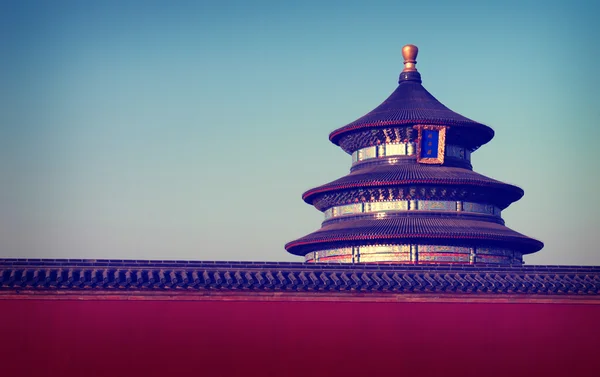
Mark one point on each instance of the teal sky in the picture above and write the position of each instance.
(189, 130)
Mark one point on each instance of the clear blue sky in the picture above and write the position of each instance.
(189, 130)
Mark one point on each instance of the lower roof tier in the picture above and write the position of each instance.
(416, 174)
(429, 230)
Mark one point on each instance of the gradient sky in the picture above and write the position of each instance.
(189, 130)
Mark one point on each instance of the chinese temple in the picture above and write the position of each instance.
(413, 272)
(412, 195)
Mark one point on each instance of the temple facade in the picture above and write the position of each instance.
(411, 195)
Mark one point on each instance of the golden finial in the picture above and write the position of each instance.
(409, 53)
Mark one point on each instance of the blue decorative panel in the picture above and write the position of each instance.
(429, 143)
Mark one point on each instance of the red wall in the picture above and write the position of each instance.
(292, 338)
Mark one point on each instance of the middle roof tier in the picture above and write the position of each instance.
(412, 181)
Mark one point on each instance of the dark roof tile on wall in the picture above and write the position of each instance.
(18, 275)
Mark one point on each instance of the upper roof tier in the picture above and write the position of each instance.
(412, 104)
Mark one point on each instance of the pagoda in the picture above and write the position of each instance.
(411, 195)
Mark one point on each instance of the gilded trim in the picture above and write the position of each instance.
(441, 144)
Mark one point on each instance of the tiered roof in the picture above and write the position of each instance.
(441, 186)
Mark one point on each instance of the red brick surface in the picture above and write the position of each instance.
(296, 338)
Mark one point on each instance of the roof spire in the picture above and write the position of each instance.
(409, 73)
(409, 52)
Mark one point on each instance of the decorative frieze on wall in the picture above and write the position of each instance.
(416, 254)
(404, 149)
(366, 138)
(380, 194)
(411, 205)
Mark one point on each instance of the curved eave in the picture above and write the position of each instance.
(486, 131)
(412, 104)
(382, 176)
(414, 229)
(309, 195)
